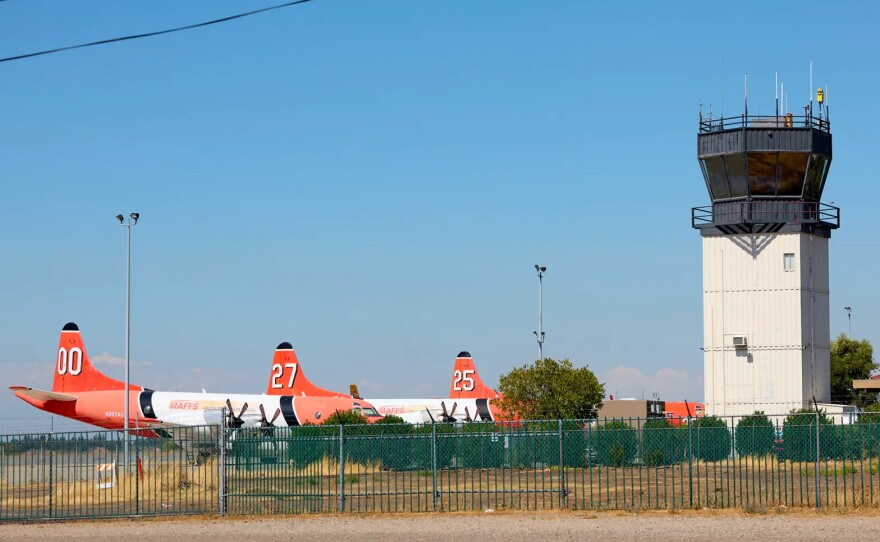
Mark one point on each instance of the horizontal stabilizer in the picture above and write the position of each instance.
(41, 395)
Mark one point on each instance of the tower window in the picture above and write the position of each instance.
(788, 261)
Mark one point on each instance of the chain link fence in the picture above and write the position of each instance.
(796, 460)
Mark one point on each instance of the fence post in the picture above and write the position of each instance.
(818, 493)
(341, 468)
(563, 493)
(221, 464)
(51, 473)
(691, 466)
(137, 472)
(434, 463)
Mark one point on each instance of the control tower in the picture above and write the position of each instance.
(765, 261)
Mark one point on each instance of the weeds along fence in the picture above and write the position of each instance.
(799, 460)
(85, 475)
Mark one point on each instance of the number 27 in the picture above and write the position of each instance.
(278, 371)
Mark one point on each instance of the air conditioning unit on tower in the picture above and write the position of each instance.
(740, 343)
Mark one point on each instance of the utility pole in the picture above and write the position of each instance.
(539, 335)
(127, 224)
(849, 319)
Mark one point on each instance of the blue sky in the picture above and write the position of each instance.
(374, 181)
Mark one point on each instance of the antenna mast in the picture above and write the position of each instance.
(776, 88)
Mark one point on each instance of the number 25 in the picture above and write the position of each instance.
(463, 380)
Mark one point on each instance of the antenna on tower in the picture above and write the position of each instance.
(776, 88)
(811, 88)
(747, 93)
(722, 86)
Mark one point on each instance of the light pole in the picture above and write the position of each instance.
(539, 335)
(849, 319)
(127, 224)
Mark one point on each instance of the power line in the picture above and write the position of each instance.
(157, 33)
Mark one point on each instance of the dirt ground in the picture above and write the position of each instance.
(654, 526)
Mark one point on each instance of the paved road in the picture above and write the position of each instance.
(505, 527)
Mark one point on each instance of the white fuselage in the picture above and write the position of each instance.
(186, 408)
(428, 410)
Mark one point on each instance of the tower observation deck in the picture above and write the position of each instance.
(765, 261)
(765, 174)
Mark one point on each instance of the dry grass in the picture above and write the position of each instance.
(749, 485)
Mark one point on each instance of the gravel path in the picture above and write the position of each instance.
(468, 528)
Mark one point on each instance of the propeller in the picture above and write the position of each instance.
(467, 415)
(234, 422)
(448, 416)
(268, 425)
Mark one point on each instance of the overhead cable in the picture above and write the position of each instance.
(151, 34)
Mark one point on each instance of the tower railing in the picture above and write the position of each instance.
(809, 120)
(765, 212)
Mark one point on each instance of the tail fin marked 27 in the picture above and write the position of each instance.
(287, 377)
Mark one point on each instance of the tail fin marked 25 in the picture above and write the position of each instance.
(287, 377)
(73, 370)
(466, 381)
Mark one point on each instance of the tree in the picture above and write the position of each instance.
(851, 360)
(551, 390)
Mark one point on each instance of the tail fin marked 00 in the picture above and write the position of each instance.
(73, 370)
(287, 377)
(466, 381)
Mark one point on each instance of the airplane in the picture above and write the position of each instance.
(81, 392)
(469, 398)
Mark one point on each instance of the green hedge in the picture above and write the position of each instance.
(755, 435)
(709, 439)
(307, 444)
(480, 445)
(799, 437)
(662, 444)
(613, 444)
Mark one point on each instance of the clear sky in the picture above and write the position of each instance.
(374, 181)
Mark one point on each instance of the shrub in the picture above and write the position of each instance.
(869, 424)
(709, 439)
(613, 444)
(309, 443)
(422, 445)
(755, 435)
(799, 436)
(480, 446)
(534, 444)
(390, 442)
(345, 417)
(662, 444)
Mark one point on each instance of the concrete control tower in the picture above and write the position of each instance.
(765, 261)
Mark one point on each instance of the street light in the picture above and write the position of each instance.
(127, 224)
(849, 319)
(539, 335)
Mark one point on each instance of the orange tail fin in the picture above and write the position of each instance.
(287, 376)
(73, 370)
(466, 381)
